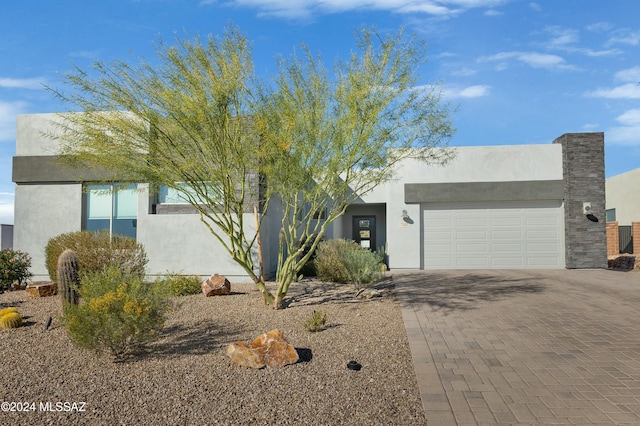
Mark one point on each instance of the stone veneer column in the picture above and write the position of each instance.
(583, 173)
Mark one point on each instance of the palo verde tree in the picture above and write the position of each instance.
(329, 139)
(180, 122)
(200, 119)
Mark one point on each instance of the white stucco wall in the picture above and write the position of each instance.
(41, 213)
(471, 164)
(623, 194)
(32, 134)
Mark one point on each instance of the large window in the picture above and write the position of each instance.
(185, 192)
(111, 207)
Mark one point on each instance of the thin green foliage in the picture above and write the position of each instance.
(119, 314)
(346, 262)
(182, 285)
(316, 322)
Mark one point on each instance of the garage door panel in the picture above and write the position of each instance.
(506, 234)
(494, 235)
(472, 222)
(471, 235)
(506, 248)
(505, 222)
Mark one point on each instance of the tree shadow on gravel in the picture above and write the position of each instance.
(447, 292)
(180, 340)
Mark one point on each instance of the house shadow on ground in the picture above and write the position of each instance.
(451, 292)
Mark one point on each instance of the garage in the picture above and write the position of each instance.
(493, 235)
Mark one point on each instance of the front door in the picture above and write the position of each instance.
(364, 231)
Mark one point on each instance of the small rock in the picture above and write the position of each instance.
(216, 285)
(368, 293)
(41, 289)
(245, 355)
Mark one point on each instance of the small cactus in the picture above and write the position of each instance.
(68, 276)
(11, 320)
(5, 311)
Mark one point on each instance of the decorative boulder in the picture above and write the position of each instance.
(216, 285)
(41, 289)
(269, 349)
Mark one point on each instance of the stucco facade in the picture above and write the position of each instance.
(504, 206)
(623, 195)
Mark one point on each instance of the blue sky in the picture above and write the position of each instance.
(520, 71)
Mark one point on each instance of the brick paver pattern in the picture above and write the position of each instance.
(525, 347)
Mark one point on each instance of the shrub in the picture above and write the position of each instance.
(182, 285)
(346, 262)
(14, 268)
(329, 264)
(363, 266)
(96, 251)
(316, 322)
(120, 312)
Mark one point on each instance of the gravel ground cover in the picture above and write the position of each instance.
(186, 378)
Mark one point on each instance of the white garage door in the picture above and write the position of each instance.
(522, 235)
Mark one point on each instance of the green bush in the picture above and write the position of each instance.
(345, 261)
(328, 261)
(14, 268)
(119, 313)
(182, 285)
(96, 251)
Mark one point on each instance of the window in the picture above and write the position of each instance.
(111, 207)
(610, 215)
(168, 195)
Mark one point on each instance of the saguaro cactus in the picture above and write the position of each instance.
(68, 276)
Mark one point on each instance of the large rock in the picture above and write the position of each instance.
(269, 349)
(40, 289)
(216, 285)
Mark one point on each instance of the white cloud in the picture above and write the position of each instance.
(308, 8)
(629, 75)
(625, 36)
(630, 118)
(562, 36)
(626, 91)
(8, 112)
(535, 6)
(533, 59)
(477, 91)
(22, 83)
(629, 132)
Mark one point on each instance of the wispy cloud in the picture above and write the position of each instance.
(477, 91)
(629, 131)
(22, 83)
(308, 8)
(625, 36)
(626, 91)
(8, 112)
(629, 75)
(532, 59)
(567, 39)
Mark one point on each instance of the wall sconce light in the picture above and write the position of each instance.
(586, 210)
(406, 218)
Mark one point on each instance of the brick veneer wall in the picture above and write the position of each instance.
(635, 232)
(613, 239)
(583, 170)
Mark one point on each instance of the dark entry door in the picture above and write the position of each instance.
(364, 231)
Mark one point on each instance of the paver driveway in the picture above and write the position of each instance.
(525, 347)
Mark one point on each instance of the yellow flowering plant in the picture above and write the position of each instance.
(120, 312)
